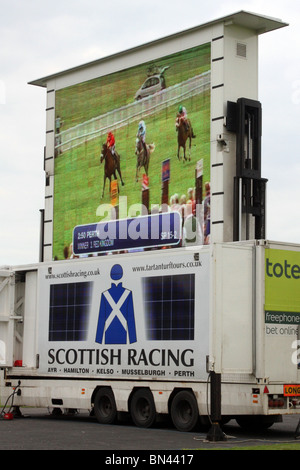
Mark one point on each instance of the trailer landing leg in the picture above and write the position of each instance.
(215, 433)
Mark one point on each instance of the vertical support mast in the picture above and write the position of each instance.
(245, 118)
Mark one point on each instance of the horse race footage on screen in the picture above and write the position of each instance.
(134, 143)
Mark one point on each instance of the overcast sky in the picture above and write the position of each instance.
(39, 38)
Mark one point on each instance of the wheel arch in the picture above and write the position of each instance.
(177, 390)
(134, 390)
(96, 389)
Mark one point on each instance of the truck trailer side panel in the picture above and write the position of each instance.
(233, 308)
(151, 327)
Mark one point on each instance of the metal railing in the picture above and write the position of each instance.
(137, 110)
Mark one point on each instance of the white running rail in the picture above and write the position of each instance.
(137, 110)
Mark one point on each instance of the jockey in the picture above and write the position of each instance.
(182, 117)
(111, 144)
(182, 113)
(141, 135)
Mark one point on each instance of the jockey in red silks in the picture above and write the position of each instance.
(111, 144)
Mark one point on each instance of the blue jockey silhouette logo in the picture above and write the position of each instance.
(116, 323)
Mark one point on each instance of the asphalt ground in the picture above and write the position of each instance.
(38, 429)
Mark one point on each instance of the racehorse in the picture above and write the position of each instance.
(143, 157)
(112, 165)
(184, 133)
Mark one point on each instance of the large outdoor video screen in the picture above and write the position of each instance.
(140, 107)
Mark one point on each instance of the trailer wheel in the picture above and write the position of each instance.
(184, 411)
(142, 408)
(105, 406)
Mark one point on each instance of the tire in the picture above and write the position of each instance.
(184, 411)
(142, 408)
(105, 406)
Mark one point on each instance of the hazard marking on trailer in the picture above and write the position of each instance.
(291, 390)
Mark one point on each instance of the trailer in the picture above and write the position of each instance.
(166, 305)
(147, 334)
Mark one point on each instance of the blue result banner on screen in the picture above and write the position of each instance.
(155, 230)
